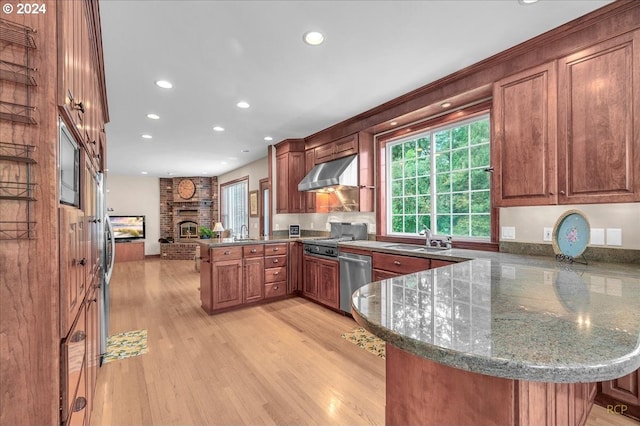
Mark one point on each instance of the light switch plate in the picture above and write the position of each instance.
(547, 234)
(597, 236)
(614, 236)
(508, 233)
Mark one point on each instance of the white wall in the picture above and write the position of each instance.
(257, 170)
(530, 221)
(137, 195)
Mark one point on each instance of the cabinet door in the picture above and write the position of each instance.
(310, 197)
(324, 153)
(93, 343)
(524, 140)
(310, 281)
(282, 179)
(253, 279)
(296, 174)
(71, 273)
(295, 268)
(599, 144)
(622, 392)
(379, 275)
(206, 271)
(327, 281)
(227, 283)
(345, 146)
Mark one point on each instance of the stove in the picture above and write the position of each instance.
(339, 232)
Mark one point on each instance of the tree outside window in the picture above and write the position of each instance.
(437, 179)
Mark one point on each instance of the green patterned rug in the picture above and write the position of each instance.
(366, 341)
(126, 345)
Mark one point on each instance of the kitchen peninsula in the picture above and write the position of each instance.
(502, 339)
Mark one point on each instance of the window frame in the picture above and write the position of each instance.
(412, 129)
(223, 216)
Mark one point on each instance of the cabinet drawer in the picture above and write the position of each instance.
(346, 146)
(275, 289)
(275, 249)
(273, 275)
(226, 253)
(275, 261)
(255, 250)
(400, 264)
(73, 354)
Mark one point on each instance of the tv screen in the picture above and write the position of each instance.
(127, 227)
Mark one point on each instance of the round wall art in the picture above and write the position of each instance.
(571, 234)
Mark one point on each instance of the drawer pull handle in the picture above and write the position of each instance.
(275, 260)
(227, 252)
(79, 403)
(276, 249)
(253, 250)
(78, 336)
(275, 287)
(276, 273)
(396, 262)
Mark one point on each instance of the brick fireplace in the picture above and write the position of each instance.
(180, 218)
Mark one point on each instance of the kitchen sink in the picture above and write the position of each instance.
(411, 247)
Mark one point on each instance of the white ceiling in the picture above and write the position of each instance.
(217, 53)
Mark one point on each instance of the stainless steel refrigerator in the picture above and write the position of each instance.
(107, 247)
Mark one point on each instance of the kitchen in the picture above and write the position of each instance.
(289, 207)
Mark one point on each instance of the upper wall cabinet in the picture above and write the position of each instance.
(290, 167)
(598, 132)
(570, 137)
(524, 142)
(339, 148)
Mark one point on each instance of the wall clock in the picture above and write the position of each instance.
(186, 189)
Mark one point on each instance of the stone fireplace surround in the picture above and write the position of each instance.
(202, 209)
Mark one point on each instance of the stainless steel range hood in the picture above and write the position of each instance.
(337, 174)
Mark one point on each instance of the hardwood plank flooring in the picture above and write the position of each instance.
(276, 364)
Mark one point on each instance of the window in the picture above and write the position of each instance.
(437, 179)
(235, 205)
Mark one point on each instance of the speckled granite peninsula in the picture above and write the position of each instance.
(503, 339)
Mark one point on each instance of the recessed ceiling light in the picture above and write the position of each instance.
(313, 38)
(146, 136)
(268, 138)
(164, 84)
(218, 129)
(242, 104)
(445, 104)
(153, 116)
(223, 162)
(204, 173)
(525, 2)
(144, 173)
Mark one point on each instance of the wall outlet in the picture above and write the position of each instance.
(597, 236)
(277, 227)
(614, 236)
(508, 233)
(547, 234)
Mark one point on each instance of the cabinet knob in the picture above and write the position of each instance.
(275, 260)
(561, 192)
(79, 403)
(396, 262)
(79, 106)
(276, 273)
(227, 253)
(82, 261)
(275, 287)
(253, 250)
(276, 249)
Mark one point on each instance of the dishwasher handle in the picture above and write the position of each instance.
(350, 259)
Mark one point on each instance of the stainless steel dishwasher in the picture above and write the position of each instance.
(355, 271)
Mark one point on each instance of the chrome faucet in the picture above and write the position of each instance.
(244, 228)
(427, 233)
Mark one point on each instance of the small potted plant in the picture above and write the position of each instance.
(205, 233)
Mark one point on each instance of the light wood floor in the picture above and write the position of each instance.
(282, 363)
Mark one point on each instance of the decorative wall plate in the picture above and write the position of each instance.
(571, 234)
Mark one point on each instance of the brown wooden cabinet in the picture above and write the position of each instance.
(92, 306)
(310, 197)
(295, 267)
(290, 166)
(72, 266)
(129, 251)
(524, 140)
(386, 265)
(585, 113)
(321, 280)
(623, 394)
(226, 277)
(253, 273)
(339, 148)
(275, 272)
(598, 123)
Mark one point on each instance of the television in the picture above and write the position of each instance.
(127, 228)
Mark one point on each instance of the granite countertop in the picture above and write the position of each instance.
(226, 242)
(512, 316)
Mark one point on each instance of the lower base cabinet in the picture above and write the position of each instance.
(226, 277)
(321, 280)
(622, 396)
